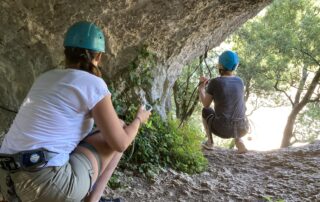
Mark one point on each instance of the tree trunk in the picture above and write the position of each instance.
(288, 131)
(298, 106)
(247, 90)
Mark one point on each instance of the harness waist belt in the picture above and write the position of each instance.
(25, 160)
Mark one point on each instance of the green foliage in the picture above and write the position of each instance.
(138, 75)
(185, 92)
(307, 128)
(280, 53)
(272, 48)
(184, 148)
(161, 144)
(139, 68)
(115, 182)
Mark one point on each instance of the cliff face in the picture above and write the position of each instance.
(174, 32)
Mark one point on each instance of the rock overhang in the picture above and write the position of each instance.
(175, 32)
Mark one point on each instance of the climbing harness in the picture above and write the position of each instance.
(31, 161)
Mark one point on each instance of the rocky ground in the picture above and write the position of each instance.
(282, 175)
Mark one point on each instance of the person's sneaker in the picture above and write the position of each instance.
(102, 199)
(208, 146)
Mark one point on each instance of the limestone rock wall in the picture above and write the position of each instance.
(175, 31)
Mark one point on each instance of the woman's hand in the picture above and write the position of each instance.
(123, 124)
(107, 120)
(143, 114)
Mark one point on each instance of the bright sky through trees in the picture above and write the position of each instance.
(267, 128)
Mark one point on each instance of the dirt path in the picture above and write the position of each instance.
(288, 174)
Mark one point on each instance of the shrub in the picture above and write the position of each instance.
(185, 154)
(162, 144)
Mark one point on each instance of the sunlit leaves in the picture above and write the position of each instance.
(280, 50)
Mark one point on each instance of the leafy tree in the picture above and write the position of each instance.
(184, 90)
(281, 50)
(185, 93)
(308, 123)
(257, 87)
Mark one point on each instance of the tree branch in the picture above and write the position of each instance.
(309, 55)
(193, 106)
(312, 87)
(256, 106)
(317, 99)
(248, 90)
(302, 82)
(205, 62)
(183, 118)
(282, 91)
(201, 59)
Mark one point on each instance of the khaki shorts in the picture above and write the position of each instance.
(70, 182)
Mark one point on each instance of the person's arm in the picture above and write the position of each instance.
(204, 97)
(107, 120)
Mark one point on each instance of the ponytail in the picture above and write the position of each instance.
(83, 57)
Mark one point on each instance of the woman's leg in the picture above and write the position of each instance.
(102, 180)
(109, 160)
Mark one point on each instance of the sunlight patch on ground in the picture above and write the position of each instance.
(267, 128)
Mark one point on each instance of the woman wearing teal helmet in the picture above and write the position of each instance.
(50, 152)
(227, 119)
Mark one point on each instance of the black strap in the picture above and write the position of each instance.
(11, 191)
(25, 160)
(8, 162)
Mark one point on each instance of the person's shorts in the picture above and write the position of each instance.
(225, 128)
(70, 182)
(208, 113)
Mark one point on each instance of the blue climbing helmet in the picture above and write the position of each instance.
(229, 60)
(85, 35)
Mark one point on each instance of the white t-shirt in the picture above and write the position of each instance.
(55, 115)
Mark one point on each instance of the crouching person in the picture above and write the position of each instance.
(49, 153)
(227, 119)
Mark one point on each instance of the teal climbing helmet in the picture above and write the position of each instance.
(85, 35)
(229, 60)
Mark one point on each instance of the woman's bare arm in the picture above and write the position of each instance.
(107, 120)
